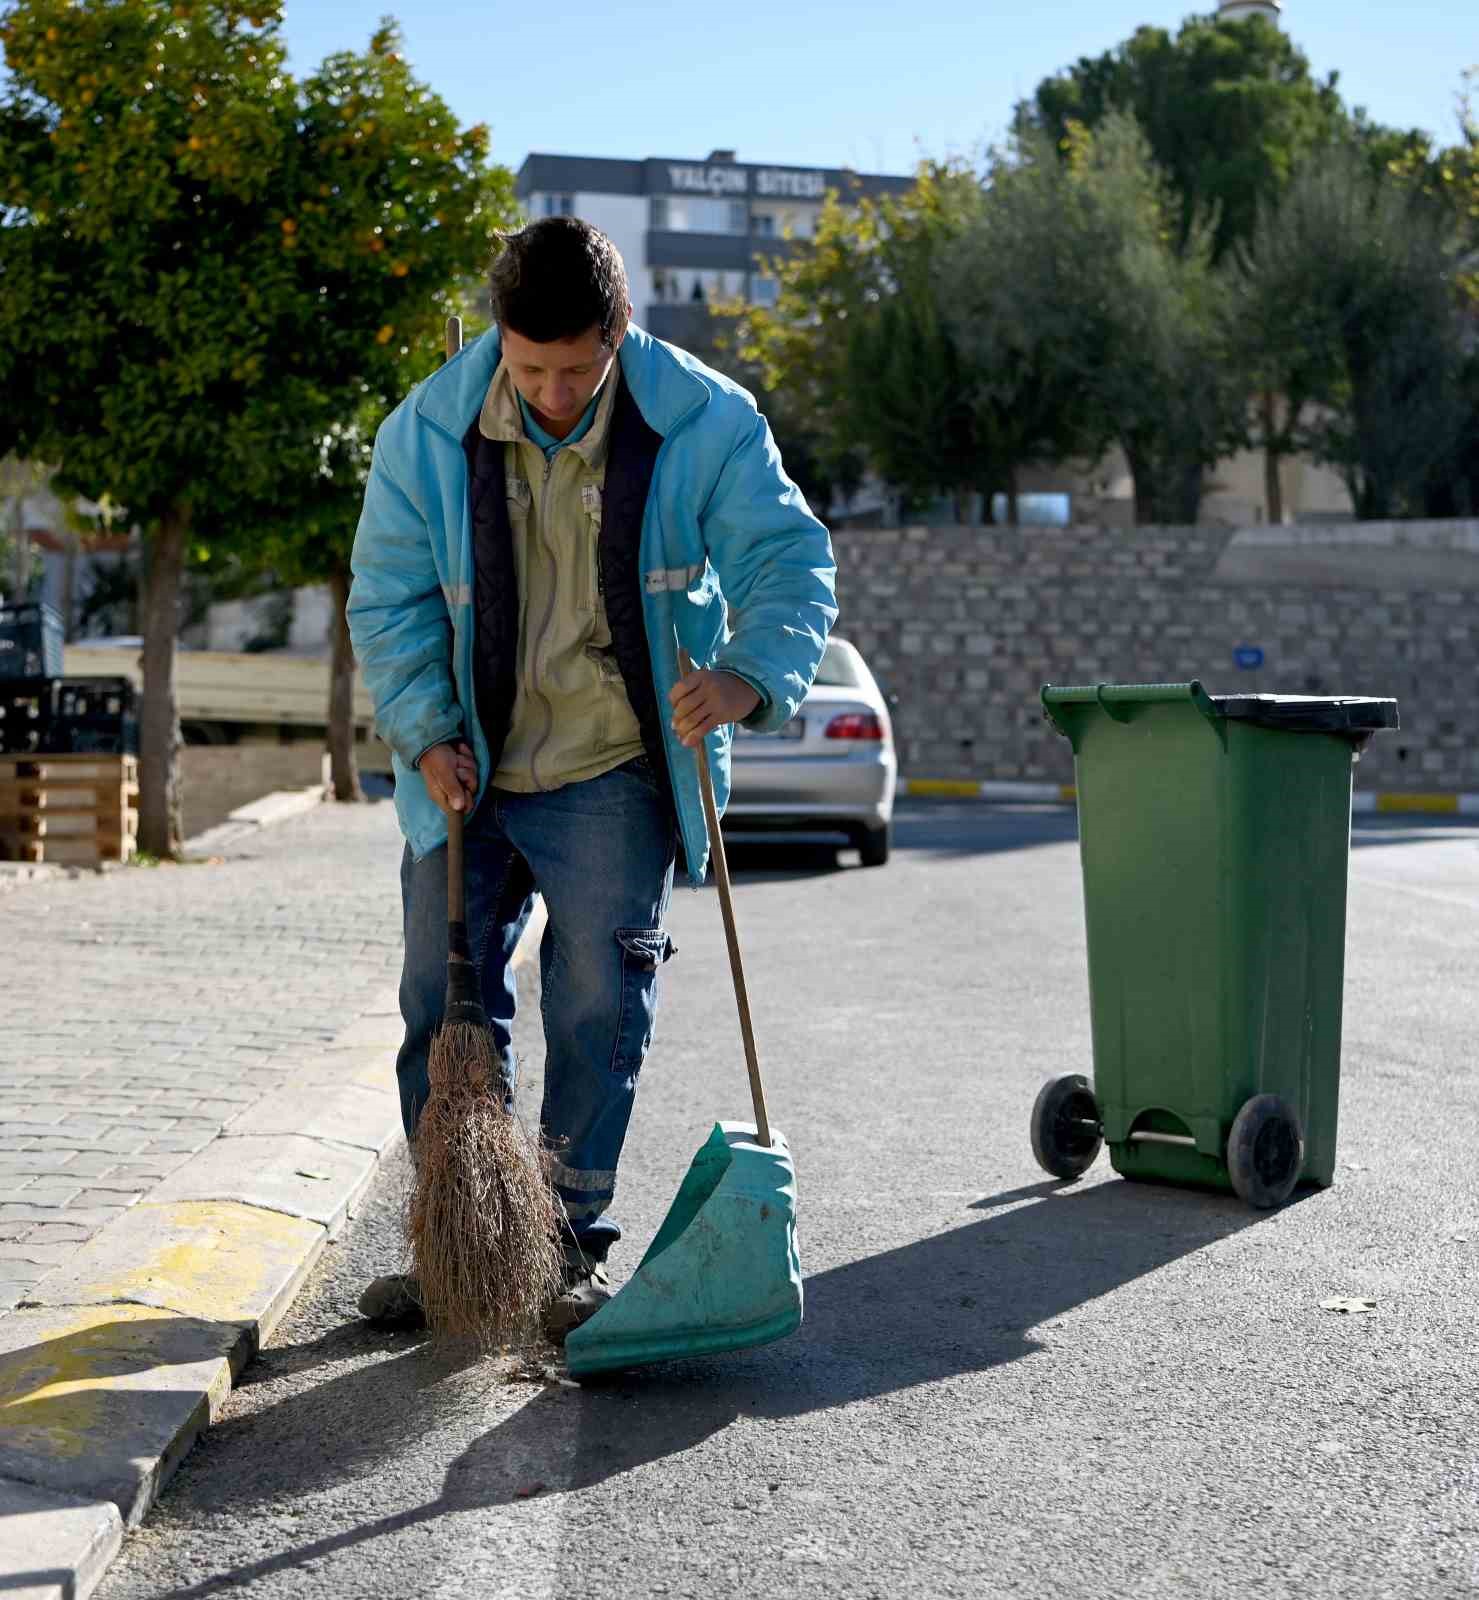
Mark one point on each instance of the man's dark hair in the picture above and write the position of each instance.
(557, 279)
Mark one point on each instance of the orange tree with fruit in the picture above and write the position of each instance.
(212, 270)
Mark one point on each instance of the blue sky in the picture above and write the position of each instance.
(873, 84)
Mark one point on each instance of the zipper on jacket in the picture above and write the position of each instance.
(538, 638)
(663, 704)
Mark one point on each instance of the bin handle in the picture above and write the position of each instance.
(1108, 696)
(1110, 707)
(1113, 699)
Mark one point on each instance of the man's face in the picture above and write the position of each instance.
(558, 379)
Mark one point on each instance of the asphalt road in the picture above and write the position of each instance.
(1004, 1386)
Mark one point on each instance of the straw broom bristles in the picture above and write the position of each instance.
(482, 1219)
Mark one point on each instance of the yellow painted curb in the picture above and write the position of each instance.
(96, 1382)
(1445, 803)
(945, 786)
(218, 1260)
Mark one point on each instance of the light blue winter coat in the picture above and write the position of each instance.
(734, 567)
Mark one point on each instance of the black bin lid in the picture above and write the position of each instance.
(1309, 713)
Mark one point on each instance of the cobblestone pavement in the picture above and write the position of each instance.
(145, 1008)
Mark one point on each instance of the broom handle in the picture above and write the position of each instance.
(731, 934)
(457, 945)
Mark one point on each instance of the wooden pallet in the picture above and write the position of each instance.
(79, 810)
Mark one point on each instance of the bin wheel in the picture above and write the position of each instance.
(1265, 1151)
(1066, 1130)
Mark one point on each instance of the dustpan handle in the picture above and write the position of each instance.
(731, 935)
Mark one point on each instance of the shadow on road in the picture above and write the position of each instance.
(1399, 829)
(938, 828)
(965, 1300)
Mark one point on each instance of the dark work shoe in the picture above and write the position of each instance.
(587, 1289)
(393, 1301)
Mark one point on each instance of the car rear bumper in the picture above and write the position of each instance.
(774, 792)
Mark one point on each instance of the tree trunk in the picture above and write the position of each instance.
(160, 828)
(344, 769)
(69, 585)
(1013, 516)
(20, 547)
(1190, 478)
(1142, 477)
(1273, 490)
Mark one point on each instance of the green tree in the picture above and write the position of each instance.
(1349, 306)
(202, 259)
(859, 349)
(1072, 296)
(1229, 108)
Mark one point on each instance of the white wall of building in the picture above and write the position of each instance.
(623, 219)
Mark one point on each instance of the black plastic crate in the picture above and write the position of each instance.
(25, 715)
(30, 641)
(94, 716)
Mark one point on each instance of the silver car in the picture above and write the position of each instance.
(830, 769)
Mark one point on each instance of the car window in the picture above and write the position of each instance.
(839, 669)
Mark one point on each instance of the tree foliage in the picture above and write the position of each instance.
(1229, 108)
(1071, 296)
(206, 266)
(858, 347)
(1348, 304)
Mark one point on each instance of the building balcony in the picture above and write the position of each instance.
(713, 252)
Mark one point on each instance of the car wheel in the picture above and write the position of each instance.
(873, 844)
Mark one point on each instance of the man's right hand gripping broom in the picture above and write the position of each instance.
(451, 775)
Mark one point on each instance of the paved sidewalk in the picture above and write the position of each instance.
(147, 1008)
(197, 1065)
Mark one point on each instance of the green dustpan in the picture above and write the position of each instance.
(722, 1272)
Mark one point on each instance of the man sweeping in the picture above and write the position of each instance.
(549, 517)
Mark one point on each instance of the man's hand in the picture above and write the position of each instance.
(451, 774)
(703, 700)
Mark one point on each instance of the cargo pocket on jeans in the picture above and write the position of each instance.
(643, 952)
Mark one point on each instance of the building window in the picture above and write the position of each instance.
(681, 213)
(764, 291)
(554, 205)
(797, 221)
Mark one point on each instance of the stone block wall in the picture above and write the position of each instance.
(967, 624)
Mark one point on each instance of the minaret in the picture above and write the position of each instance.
(1236, 10)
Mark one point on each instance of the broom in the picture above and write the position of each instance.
(482, 1218)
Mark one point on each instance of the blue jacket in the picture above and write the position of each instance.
(734, 566)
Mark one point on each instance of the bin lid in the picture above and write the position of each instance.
(1307, 713)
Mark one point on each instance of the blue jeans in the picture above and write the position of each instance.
(601, 853)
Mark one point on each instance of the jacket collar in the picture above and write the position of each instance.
(665, 391)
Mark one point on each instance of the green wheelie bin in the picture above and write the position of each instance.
(1214, 833)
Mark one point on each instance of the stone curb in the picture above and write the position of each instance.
(117, 1360)
(1364, 800)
